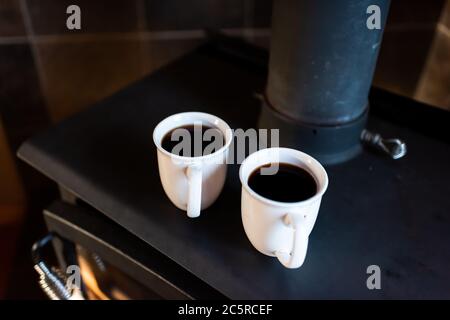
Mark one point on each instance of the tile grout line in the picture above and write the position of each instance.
(141, 15)
(142, 27)
(249, 17)
(402, 27)
(13, 40)
(34, 51)
(130, 36)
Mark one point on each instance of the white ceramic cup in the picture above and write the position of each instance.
(275, 228)
(192, 183)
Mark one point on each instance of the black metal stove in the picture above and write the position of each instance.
(394, 214)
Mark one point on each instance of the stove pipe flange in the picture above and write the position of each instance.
(328, 144)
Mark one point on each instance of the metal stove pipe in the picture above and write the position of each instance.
(322, 60)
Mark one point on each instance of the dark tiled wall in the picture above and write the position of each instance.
(48, 73)
(407, 40)
(22, 106)
(198, 14)
(445, 19)
(11, 23)
(434, 84)
(120, 41)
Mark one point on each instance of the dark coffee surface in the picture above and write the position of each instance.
(289, 184)
(197, 144)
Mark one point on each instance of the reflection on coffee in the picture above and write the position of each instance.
(289, 184)
(193, 140)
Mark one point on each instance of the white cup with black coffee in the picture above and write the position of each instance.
(282, 190)
(192, 148)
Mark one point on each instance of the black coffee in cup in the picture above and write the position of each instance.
(193, 140)
(289, 184)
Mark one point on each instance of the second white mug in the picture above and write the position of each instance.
(281, 229)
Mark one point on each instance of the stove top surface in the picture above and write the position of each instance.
(394, 214)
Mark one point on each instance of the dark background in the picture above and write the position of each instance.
(48, 73)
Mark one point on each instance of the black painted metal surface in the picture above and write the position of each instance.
(395, 214)
(322, 59)
(85, 227)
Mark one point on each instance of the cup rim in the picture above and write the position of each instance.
(297, 153)
(227, 134)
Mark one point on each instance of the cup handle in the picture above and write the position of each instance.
(194, 175)
(296, 257)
